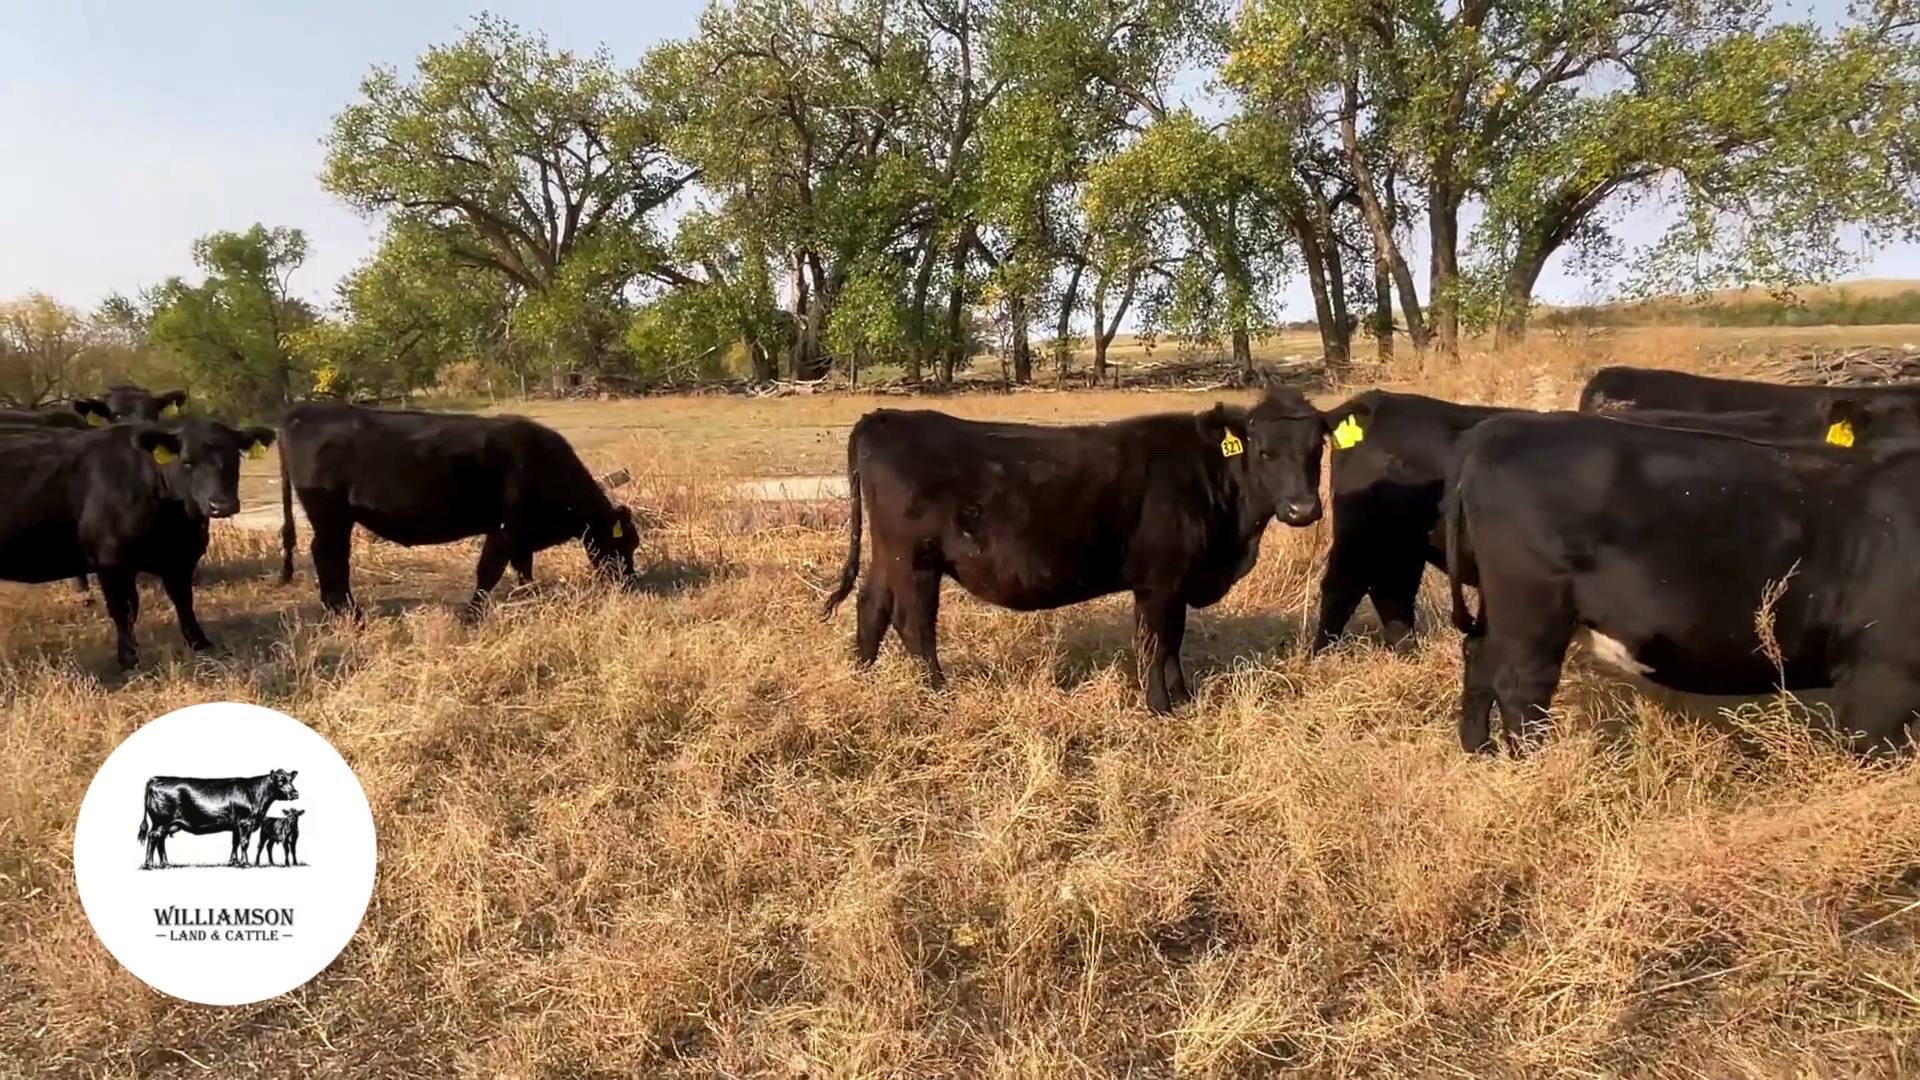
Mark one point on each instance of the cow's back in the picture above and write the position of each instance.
(411, 476)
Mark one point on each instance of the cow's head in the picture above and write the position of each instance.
(138, 404)
(611, 542)
(1275, 448)
(1846, 420)
(202, 466)
(292, 812)
(94, 411)
(280, 785)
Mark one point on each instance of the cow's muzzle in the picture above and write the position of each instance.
(1298, 512)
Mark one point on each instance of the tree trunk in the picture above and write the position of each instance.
(1443, 278)
(1516, 297)
(1381, 219)
(1062, 355)
(956, 344)
(1342, 348)
(1242, 349)
(922, 287)
(1308, 238)
(1382, 312)
(1022, 346)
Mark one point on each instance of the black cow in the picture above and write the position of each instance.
(1662, 544)
(413, 478)
(1895, 409)
(284, 831)
(57, 417)
(124, 500)
(1391, 455)
(126, 402)
(1170, 506)
(198, 806)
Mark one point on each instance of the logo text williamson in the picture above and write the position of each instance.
(179, 916)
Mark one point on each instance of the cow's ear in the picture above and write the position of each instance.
(95, 411)
(171, 402)
(1227, 426)
(1348, 424)
(165, 446)
(1846, 420)
(255, 440)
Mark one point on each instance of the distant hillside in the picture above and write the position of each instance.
(1864, 302)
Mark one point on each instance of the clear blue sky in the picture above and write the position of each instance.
(128, 129)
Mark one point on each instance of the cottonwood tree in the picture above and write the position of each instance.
(543, 167)
(1766, 136)
(232, 333)
(46, 351)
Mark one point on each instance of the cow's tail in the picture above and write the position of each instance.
(1467, 623)
(851, 569)
(287, 535)
(145, 820)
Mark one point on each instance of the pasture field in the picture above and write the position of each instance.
(674, 834)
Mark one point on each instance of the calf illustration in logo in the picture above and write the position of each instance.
(283, 830)
(236, 805)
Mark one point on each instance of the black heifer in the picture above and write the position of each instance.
(1894, 409)
(1662, 545)
(198, 806)
(1031, 517)
(284, 831)
(414, 478)
(57, 417)
(1392, 453)
(127, 402)
(118, 502)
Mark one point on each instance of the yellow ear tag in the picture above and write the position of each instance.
(170, 410)
(94, 419)
(257, 450)
(164, 456)
(1231, 445)
(618, 532)
(1840, 434)
(1347, 434)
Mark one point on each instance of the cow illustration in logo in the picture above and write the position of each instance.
(284, 831)
(236, 805)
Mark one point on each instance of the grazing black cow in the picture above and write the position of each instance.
(1662, 545)
(120, 501)
(1391, 455)
(1170, 506)
(199, 806)
(284, 831)
(413, 478)
(1895, 409)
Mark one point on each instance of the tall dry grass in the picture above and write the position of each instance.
(675, 835)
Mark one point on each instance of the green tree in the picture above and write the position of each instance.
(231, 334)
(539, 166)
(1547, 114)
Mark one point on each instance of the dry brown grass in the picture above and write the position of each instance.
(675, 835)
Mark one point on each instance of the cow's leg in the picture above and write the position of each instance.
(80, 586)
(179, 586)
(875, 609)
(494, 554)
(1877, 706)
(1173, 634)
(287, 848)
(918, 617)
(1395, 590)
(1526, 672)
(1160, 627)
(332, 548)
(257, 852)
(1344, 582)
(123, 607)
(522, 563)
(1476, 697)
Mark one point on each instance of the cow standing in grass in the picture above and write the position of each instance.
(200, 806)
(1663, 545)
(1393, 451)
(412, 477)
(1171, 507)
(121, 501)
(123, 403)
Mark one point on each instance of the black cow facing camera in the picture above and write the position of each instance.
(1170, 506)
(120, 501)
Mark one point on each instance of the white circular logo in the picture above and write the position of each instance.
(224, 853)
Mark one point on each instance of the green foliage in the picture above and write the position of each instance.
(537, 165)
(233, 333)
